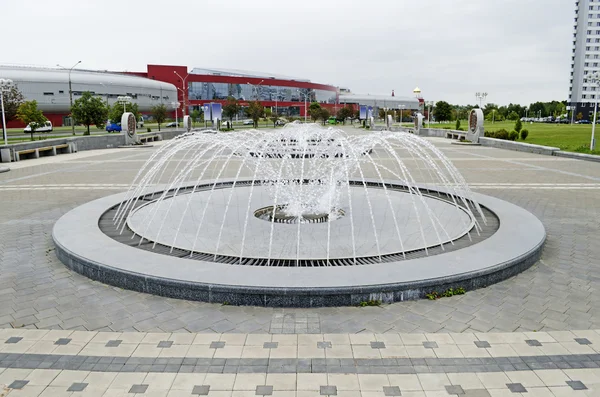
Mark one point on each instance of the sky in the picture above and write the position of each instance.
(518, 51)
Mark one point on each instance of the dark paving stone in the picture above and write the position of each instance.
(77, 387)
(576, 385)
(516, 388)
(391, 391)
(63, 341)
(455, 389)
(165, 344)
(533, 342)
(18, 384)
(270, 345)
(325, 345)
(430, 345)
(201, 390)
(14, 339)
(328, 391)
(583, 341)
(482, 344)
(377, 345)
(113, 343)
(217, 345)
(264, 390)
(138, 389)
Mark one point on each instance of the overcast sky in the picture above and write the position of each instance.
(516, 50)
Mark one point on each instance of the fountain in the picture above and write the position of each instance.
(303, 216)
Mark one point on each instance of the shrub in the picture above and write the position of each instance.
(458, 125)
(501, 134)
(489, 134)
(513, 136)
(524, 134)
(518, 126)
(149, 129)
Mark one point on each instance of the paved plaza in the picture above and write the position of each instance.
(53, 321)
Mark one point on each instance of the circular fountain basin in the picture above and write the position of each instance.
(84, 247)
(222, 222)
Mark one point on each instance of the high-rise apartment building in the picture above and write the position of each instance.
(585, 58)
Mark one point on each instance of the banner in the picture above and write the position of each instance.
(216, 111)
(370, 112)
(206, 109)
(363, 112)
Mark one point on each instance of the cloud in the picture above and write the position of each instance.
(516, 50)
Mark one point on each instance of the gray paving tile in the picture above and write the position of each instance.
(327, 345)
(482, 344)
(201, 390)
(217, 345)
(391, 391)
(455, 390)
(165, 344)
(583, 341)
(13, 339)
(18, 384)
(138, 389)
(77, 387)
(264, 390)
(533, 342)
(430, 345)
(516, 388)
(270, 345)
(328, 390)
(576, 385)
(62, 341)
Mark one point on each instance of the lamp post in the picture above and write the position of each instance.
(305, 94)
(595, 79)
(5, 86)
(481, 97)
(71, 93)
(255, 87)
(175, 105)
(184, 90)
(401, 107)
(124, 100)
(493, 115)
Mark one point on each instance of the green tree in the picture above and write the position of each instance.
(197, 115)
(442, 111)
(344, 113)
(255, 111)
(116, 111)
(13, 98)
(314, 111)
(159, 113)
(231, 109)
(29, 114)
(324, 115)
(89, 110)
(518, 125)
(513, 116)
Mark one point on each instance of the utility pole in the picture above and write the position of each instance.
(71, 93)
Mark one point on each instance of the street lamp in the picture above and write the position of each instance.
(5, 86)
(401, 107)
(184, 90)
(124, 100)
(594, 79)
(71, 93)
(481, 97)
(305, 94)
(255, 87)
(493, 115)
(429, 105)
(175, 105)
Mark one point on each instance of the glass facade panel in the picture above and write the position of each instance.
(249, 92)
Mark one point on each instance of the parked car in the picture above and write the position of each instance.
(583, 122)
(248, 122)
(332, 120)
(113, 127)
(47, 127)
(140, 123)
(172, 124)
(281, 122)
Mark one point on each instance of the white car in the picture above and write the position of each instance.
(47, 127)
(248, 122)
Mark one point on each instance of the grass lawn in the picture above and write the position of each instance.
(568, 137)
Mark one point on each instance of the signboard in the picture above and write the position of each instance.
(363, 112)
(216, 110)
(370, 112)
(206, 109)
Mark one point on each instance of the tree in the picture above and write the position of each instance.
(314, 111)
(513, 116)
(344, 113)
(231, 108)
(442, 111)
(324, 114)
(13, 98)
(116, 112)
(197, 115)
(579, 116)
(255, 111)
(89, 110)
(159, 113)
(29, 114)
(518, 126)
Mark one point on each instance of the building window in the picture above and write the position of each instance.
(48, 93)
(61, 92)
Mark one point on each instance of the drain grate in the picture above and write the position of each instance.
(124, 236)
